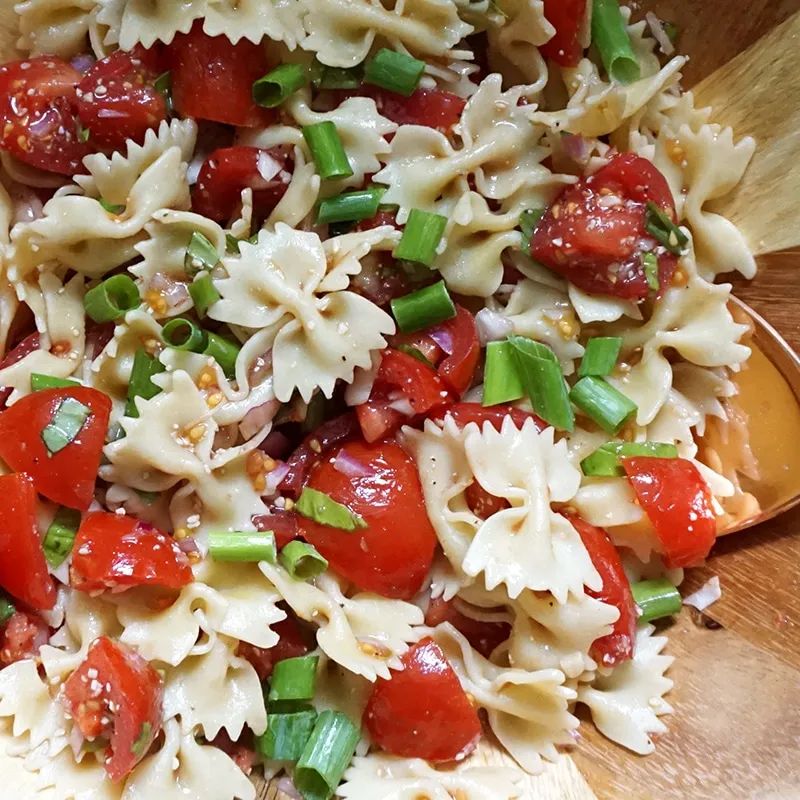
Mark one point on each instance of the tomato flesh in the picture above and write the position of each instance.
(677, 501)
(290, 645)
(114, 551)
(594, 233)
(392, 556)
(458, 368)
(617, 646)
(22, 636)
(68, 476)
(38, 114)
(483, 636)
(117, 100)
(23, 568)
(116, 694)
(567, 17)
(228, 171)
(423, 712)
(464, 413)
(212, 78)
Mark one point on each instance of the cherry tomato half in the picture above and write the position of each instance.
(290, 645)
(464, 413)
(567, 17)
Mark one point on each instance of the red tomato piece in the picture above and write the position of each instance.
(282, 523)
(68, 476)
(114, 551)
(290, 645)
(594, 233)
(28, 345)
(458, 368)
(567, 17)
(22, 636)
(423, 712)
(117, 100)
(228, 171)
(432, 108)
(377, 419)
(212, 78)
(23, 568)
(481, 503)
(38, 114)
(677, 501)
(116, 694)
(240, 752)
(392, 556)
(483, 636)
(464, 413)
(381, 218)
(617, 646)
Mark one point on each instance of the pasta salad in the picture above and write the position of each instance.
(362, 383)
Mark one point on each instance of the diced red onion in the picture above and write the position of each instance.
(83, 63)
(275, 478)
(267, 167)
(443, 338)
(403, 406)
(707, 594)
(659, 34)
(276, 445)
(576, 147)
(174, 292)
(27, 205)
(76, 740)
(188, 545)
(260, 368)
(352, 467)
(360, 389)
(285, 786)
(110, 113)
(256, 418)
(492, 326)
(44, 125)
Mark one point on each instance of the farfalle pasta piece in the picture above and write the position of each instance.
(54, 27)
(65, 779)
(626, 704)
(515, 40)
(342, 32)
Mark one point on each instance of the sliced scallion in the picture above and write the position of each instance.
(111, 208)
(302, 561)
(278, 85)
(238, 546)
(326, 755)
(83, 133)
(350, 206)
(327, 150)
(325, 510)
(650, 267)
(142, 741)
(423, 308)
(203, 293)
(7, 609)
(163, 85)
(394, 71)
(60, 536)
(600, 356)
(656, 599)
(200, 254)
(148, 498)
(223, 351)
(605, 461)
(324, 77)
(293, 681)
(286, 735)
(315, 413)
(610, 35)
(501, 381)
(600, 401)
(69, 418)
(421, 237)
(232, 243)
(415, 352)
(658, 224)
(528, 221)
(183, 334)
(40, 382)
(141, 384)
(111, 299)
(544, 383)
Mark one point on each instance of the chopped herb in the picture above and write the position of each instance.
(326, 511)
(69, 418)
(139, 747)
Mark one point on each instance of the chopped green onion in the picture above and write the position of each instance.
(200, 255)
(140, 384)
(544, 383)
(293, 681)
(286, 735)
(142, 741)
(610, 34)
(204, 294)
(148, 498)
(528, 221)
(69, 417)
(324, 77)
(163, 85)
(672, 31)
(238, 546)
(83, 133)
(656, 599)
(326, 756)
(421, 237)
(658, 224)
(112, 299)
(232, 243)
(223, 351)
(40, 382)
(394, 71)
(278, 85)
(327, 150)
(60, 536)
(326, 511)
(501, 382)
(650, 267)
(600, 356)
(415, 353)
(605, 461)
(423, 308)
(7, 609)
(110, 207)
(600, 401)
(183, 334)
(315, 413)
(350, 206)
(302, 561)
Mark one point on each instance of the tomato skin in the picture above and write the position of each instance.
(38, 114)
(28, 345)
(22, 636)
(123, 681)
(677, 501)
(600, 245)
(464, 413)
(212, 78)
(617, 646)
(392, 556)
(457, 369)
(226, 172)
(566, 16)
(23, 568)
(433, 108)
(290, 645)
(68, 476)
(115, 551)
(116, 98)
(423, 712)
(483, 636)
